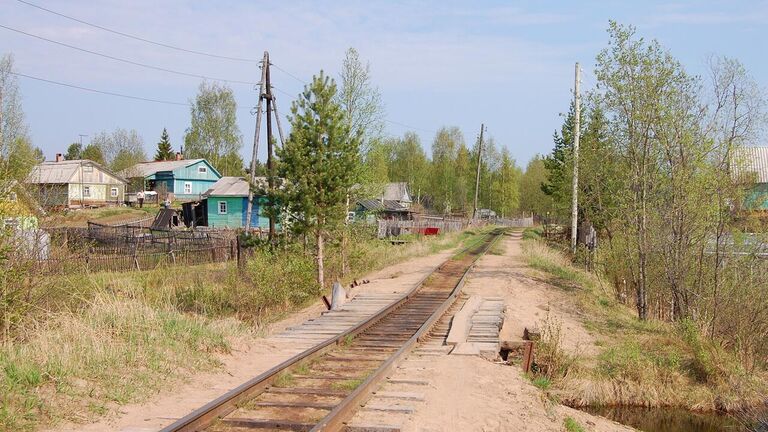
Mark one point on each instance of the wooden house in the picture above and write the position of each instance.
(185, 179)
(75, 183)
(18, 207)
(750, 165)
(225, 205)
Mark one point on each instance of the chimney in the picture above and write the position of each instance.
(59, 157)
(179, 156)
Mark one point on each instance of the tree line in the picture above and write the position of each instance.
(660, 182)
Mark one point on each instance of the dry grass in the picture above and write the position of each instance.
(640, 363)
(88, 343)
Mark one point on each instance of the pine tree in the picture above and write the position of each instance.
(164, 149)
(320, 163)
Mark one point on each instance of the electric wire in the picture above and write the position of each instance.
(144, 65)
(59, 83)
(138, 38)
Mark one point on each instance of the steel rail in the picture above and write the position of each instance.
(223, 405)
(336, 419)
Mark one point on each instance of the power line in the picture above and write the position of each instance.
(138, 38)
(144, 65)
(110, 93)
(99, 91)
(285, 72)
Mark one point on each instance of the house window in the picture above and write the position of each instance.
(12, 197)
(202, 170)
(87, 191)
(187, 187)
(87, 169)
(113, 192)
(222, 207)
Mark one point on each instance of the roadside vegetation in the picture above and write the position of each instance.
(77, 347)
(648, 363)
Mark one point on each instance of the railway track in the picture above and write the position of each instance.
(320, 388)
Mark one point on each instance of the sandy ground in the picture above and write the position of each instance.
(463, 393)
(247, 360)
(469, 393)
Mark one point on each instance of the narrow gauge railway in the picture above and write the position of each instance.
(320, 388)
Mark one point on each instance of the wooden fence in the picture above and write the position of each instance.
(97, 262)
(393, 228)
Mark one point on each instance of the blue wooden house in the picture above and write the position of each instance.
(225, 205)
(750, 166)
(186, 179)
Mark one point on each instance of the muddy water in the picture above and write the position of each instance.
(669, 419)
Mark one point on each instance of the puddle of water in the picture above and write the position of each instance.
(669, 419)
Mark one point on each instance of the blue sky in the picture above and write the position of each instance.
(437, 63)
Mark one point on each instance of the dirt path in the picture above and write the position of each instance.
(469, 393)
(247, 360)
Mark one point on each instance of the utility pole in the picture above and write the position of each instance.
(254, 156)
(477, 177)
(265, 94)
(576, 132)
(270, 164)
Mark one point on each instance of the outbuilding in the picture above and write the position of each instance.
(225, 205)
(75, 184)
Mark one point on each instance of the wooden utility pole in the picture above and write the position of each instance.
(256, 134)
(477, 176)
(576, 132)
(265, 94)
(270, 164)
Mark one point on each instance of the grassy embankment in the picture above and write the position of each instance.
(96, 341)
(637, 363)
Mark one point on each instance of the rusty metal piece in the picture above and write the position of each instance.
(527, 356)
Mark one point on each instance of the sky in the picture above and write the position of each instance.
(507, 64)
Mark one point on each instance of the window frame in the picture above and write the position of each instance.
(186, 183)
(86, 191)
(114, 192)
(202, 169)
(226, 207)
(87, 168)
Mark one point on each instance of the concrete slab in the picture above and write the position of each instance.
(462, 321)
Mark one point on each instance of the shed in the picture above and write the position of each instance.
(225, 205)
(76, 183)
(186, 179)
(384, 209)
(750, 165)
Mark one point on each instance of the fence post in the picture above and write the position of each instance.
(239, 252)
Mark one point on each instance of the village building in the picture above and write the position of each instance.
(225, 205)
(181, 179)
(397, 192)
(18, 208)
(76, 184)
(382, 209)
(750, 165)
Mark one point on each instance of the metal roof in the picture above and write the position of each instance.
(397, 192)
(376, 205)
(62, 172)
(145, 169)
(752, 160)
(228, 186)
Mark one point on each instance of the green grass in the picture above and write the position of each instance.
(349, 384)
(572, 425)
(532, 233)
(646, 363)
(284, 379)
(542, 382)
(93, 342)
